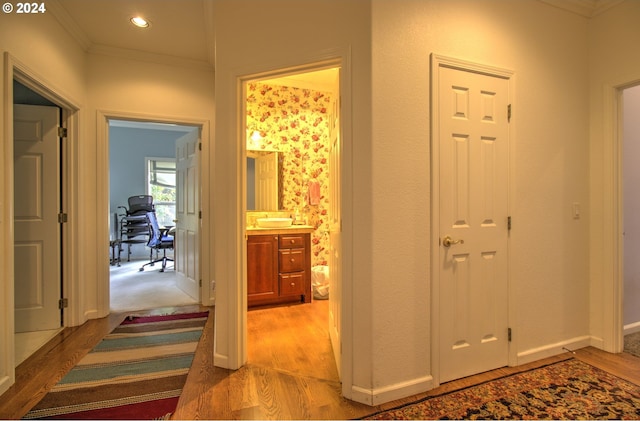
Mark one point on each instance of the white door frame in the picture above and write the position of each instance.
(612, 218)
(438, 61)
(102, 200)
(14, 69)
(238, 321)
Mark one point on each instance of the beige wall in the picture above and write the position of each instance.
(548, 51)
(40, 44)
(289, 36)
(613, 39)
(93, 83)
(142, 90)
(562, 63)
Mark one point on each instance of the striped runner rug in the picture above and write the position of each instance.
(136, 372)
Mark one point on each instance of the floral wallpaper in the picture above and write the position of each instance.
(295, 122)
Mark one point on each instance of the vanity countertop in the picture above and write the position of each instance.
(293, 229)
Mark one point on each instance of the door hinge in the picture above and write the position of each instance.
(199, 214)
(62, 218)
(62, 132)
(200, 283)
(509, 113)
(63, 303)
(508, 223)
(509, 334)
(199, 146)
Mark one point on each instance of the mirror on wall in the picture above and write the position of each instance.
(264, 180)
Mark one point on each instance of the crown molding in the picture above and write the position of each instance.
(586, 8)
(67, 22)
(209, 31)
(148, 57)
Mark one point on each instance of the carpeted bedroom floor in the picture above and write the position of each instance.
(134, 290)
(632, 344)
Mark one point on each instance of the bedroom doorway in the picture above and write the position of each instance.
(160, 160)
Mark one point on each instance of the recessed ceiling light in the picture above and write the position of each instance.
(140, 22)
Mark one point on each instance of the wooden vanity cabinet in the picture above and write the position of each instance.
(278, 269)
(262, 268)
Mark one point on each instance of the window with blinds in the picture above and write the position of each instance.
(161, 184)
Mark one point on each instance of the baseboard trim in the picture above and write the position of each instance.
(220, 360)
(90, 315)
(5, 383)
(536, 354)
(631, 328)
(392, 392)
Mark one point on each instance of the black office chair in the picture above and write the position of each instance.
(158, 240)
(139, 205)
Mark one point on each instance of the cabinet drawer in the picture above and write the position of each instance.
(292, 283)
(291, 241)
(292, 260)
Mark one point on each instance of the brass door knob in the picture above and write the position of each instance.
(448, 241)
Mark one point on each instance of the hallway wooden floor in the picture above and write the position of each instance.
(290, 374)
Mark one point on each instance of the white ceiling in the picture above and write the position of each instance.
(103, 27)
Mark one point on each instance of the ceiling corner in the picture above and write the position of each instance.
(586, 8)
(209, 31)
(67, 22)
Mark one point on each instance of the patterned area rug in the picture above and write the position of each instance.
(136, 372)
(566, 390)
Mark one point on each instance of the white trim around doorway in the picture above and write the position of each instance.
(438, 61)
(232, 315)
(207, 296)
(611, 249)
(14, 69)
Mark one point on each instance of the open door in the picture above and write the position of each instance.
(36, 207)
(187, 221)
(335, 233)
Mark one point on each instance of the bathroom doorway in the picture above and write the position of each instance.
(297, 115)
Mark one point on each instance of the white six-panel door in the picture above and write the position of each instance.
(36, 208)
(473, 139)
(186, 240)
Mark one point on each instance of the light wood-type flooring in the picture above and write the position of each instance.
(290, 374)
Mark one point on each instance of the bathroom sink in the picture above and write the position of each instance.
(274, 222)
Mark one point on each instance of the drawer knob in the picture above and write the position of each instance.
(293, 260)
(293, 284)
(293, 241)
